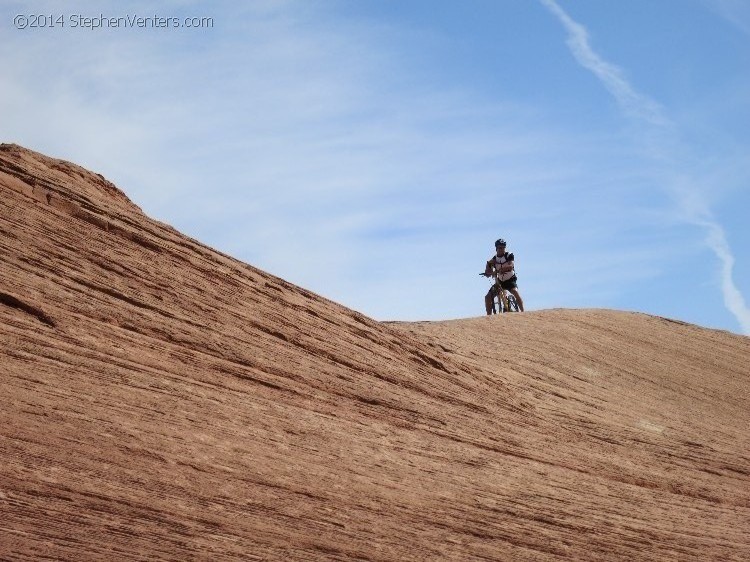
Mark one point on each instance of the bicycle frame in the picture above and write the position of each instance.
(502, 300)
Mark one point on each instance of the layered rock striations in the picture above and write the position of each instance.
(163, 401)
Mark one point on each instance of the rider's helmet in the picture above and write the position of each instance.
(499, 242)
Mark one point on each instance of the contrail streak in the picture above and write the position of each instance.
(733, 299)
(647, 110)
(610, 75)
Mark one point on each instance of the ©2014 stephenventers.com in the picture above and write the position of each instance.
(100, 21)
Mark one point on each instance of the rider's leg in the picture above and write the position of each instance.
(489, 303)
(519, 300)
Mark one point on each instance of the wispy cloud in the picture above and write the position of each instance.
(293, 143)
(737, 12)
(659, 133)
(611, 76)
(733, 299)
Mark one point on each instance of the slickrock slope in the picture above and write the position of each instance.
(162, 401)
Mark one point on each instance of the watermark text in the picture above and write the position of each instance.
(100, 21)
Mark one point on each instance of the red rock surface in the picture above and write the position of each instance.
(163, 401)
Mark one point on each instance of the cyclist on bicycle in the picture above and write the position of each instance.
(501, 265)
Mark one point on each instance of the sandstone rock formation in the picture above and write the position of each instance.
(163, 401)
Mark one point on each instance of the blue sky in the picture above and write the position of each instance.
(372, 151)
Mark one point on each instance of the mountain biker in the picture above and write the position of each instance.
(501, 265)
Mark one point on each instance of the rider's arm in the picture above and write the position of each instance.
(488, 271)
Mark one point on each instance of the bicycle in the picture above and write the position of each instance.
(502, 300)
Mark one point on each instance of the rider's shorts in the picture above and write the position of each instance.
(511, 283)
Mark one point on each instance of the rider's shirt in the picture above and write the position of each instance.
(497, 261)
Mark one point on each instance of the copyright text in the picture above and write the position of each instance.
(100, 21)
